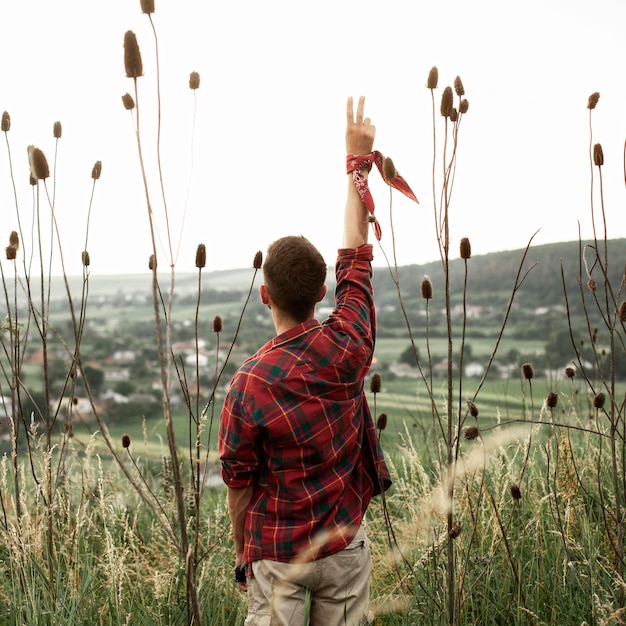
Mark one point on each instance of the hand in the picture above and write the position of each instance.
(238, 563)
(360, 133)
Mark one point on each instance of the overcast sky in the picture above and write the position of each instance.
(258, 151)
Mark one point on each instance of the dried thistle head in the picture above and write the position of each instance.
(593, 100)
(85, 258)
(258, 260)
(125, 440)
(57, 130)
(381, 422)
(463, 106)
(194, 80)
(516, 492)
(471, 433)
(152, 263)
(11, 253)
(622, 311)
(132, 56)
(570, 372)
(458, 86)
(598, 155)
(217, 324)
(96, 170)
(38, 163)
(466, 248)
(147, 6)
(201, 256)
(6, 122)
(473, 409)
(14, 239)
(527, 371)
(375, 383)
(599, 400)
(128, 102)
(389, 169)
(552, 400)
(433, 78)
(426, 288)
(446, 102)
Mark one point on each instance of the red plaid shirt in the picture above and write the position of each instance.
(296, 425)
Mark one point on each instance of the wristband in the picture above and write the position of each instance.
(357, 163)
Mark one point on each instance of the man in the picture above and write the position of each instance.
(297, 442)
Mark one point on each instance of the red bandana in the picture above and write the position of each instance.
(357, 163)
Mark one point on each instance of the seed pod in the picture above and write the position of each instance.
(57, 130)
(96, 170)
(463, 106)
(446, 102)
(591, 283)
(132, 56)
(471, 433)
(466, 248)
(433, 78)
(454, 115)
(258, 260)
(128, 102)
(11, 253)
(426, 288)
(125, 440)
(217, 324)
(38, 163)
(570, 372)
(527, 371)
(598, 401)
(598, 155)
(14, 239)
(516, 492)
(201, 256)
(455, 531)
(147, 6)
(6, 122)
(551, 400)
(85, 258)
(458, 86)
(375, 383)
(152, 262)
(194, 80)
(381, 422)
(593, 100)
(473, 409)
(622, 311)
(389, 169)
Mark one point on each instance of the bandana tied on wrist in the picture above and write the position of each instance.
(356, 163)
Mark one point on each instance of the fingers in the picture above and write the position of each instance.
(359, 111)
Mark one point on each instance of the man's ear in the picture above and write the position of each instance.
(265, 297)
(323, 293)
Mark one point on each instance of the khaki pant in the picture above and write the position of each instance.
(333, 591)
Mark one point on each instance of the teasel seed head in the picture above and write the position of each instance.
(152, 262)
(570, 372)
(217, 324)
(147, 6)
(598, 401)
(258, 260)
(552, 400)
(426, 288)
(132, 56)
(11, 253)
(455, 531)
(471, 433)
(194, 80)
(389, 169)
(593, 100)
(201, 256)
(128, 102)
(622, 311)
(126, 440)
(527, 371)
(14, 239)
(473, 409)
(38, 163)
(598, 155)
(96, 170)
(446, 102)
(375, 383)
(433, 78)
(57, 130)
(591, 283)
(6, 122)
(463, 106)
(85, 258)
(516, 492)
(458, 86)
(381, 422)
(466, 248)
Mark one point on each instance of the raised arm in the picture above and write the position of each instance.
(360, 133)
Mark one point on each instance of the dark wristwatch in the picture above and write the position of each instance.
(240, 574)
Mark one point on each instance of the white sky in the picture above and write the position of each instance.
(266, 156)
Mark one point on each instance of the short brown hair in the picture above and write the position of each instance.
(294, 273)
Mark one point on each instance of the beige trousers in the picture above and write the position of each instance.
(332, 591)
